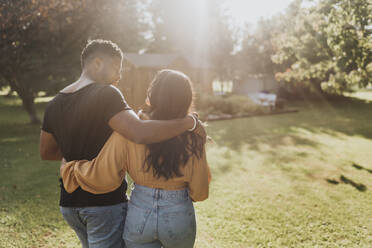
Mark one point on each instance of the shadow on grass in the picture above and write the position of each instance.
(347, 116)
(359, 167)
(270, 136)
(343, 179)
(359, 186)
(332, 181)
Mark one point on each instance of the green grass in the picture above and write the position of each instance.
(269, 185)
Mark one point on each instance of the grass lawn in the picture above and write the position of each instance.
(293, 180)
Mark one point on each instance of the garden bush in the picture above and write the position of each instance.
(229, 105)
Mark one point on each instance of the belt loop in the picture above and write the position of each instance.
(156, 194)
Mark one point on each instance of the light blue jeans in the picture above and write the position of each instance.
(97, 227)
(159, 218)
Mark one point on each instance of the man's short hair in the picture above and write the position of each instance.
(100, 47)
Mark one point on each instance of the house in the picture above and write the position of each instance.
(255, 84)
(140, 69)
(260, 89)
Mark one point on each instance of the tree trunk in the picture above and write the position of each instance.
(10, 92)
(27, 98)
(29, 105)
(317, 86)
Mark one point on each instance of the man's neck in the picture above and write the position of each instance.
(83, 81)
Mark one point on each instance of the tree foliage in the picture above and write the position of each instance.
(41, 40)
(327, 46)
(257, 49)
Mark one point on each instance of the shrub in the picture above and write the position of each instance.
(230, 104)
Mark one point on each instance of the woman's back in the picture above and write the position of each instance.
(120, 155)
(195, 169)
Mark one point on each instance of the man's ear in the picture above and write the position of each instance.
(147, 101)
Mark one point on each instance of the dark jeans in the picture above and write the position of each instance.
(97, 227)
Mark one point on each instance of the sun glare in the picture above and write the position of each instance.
(250, 11)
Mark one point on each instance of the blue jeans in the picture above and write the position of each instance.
(159, 218)
(97, 227)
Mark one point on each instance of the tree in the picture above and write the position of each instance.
(257, 49)
(221, 42)
(41, 40)
(33, 44)
(350, 38)
(328, 46)
(122, 21)
(177, 25)
(193, 28)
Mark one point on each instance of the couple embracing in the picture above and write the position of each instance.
(101, 140)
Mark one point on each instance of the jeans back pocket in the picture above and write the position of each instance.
(136, 220)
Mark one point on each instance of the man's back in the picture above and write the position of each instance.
(79, 123)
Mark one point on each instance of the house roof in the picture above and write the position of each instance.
(159, 60)
(150, 59)
(198, 62)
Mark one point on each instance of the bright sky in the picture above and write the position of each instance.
(250, 11)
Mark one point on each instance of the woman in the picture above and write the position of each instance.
(168, 175)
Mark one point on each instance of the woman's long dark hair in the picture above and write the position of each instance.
(170, 97)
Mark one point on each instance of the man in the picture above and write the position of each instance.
(78, 122)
